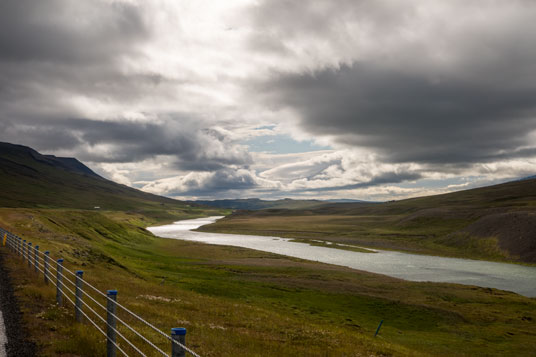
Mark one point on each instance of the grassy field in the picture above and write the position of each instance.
(428, 236)
(238, 302)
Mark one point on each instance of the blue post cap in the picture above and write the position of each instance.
(37, 247)
(47, 252)
(178, 331)
(111, 292)
(29, 243)
(24, 240)
(60, 260)
(80, 272)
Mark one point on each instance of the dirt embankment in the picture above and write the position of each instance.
(516, 232)
(17, 344)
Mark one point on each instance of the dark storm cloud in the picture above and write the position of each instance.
(459, 93)
(67, 31)
(382, 179)
(194, 148)
(225, 180)
(54, 51)
(409, 117)
(212, 184)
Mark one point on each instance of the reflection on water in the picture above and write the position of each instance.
(516, 278)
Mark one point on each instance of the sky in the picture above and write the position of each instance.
(327, 99)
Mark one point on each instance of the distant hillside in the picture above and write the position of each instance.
(494, 222)
(29, 179)
(258, 204)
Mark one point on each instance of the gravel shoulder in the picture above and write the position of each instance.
(17, 345)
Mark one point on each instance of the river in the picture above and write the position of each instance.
(517, 278)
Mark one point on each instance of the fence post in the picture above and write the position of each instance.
(23, 249)
(78, 295)
(36, 257)
(378, 329)
(178, 334)
(29, 254)
(59, 278)
(19, 245)
(111, 323)
(45, 266)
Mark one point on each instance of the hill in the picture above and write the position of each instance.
(496, 222)
(258, 204)
(30, 179)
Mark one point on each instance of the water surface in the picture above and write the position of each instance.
(511, 277)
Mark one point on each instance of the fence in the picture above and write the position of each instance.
(87, 306)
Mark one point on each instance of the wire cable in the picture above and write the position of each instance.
(107, 324)
(16, 244)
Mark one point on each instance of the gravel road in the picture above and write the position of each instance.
(10, 317)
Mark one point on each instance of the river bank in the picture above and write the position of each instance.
(510, 277)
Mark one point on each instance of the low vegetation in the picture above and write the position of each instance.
(239, 302)
(492, 223)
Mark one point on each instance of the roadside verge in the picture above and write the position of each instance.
(17, 343)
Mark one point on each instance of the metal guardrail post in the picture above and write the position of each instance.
(29, 254)
(78, 295)
(111, 323)
(45, 266)
(24, 249)
(178, 334)
(36, 257)
(59, 279)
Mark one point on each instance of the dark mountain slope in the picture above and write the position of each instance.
(29, 179)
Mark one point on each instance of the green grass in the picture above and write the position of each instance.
(239, 302)
(431, 236)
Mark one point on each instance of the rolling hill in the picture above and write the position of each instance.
(30, 179)
(258, 204)
(495, 222)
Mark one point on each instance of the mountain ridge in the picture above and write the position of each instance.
(31, 179)
(260, 204)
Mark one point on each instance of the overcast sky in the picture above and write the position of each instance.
(372, 100)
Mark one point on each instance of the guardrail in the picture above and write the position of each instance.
(84, 303)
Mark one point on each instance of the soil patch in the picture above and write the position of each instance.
(516, 232)
(17, 344)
